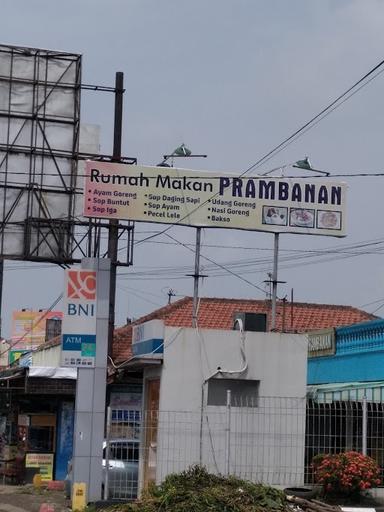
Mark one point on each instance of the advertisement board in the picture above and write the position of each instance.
(200, 199)
(28, 328)
(14, 355)
(78, 346)
(79, 321)
(321, 343)
(40, 94)
(44, 461)
(148, 338)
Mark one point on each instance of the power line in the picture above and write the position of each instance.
(297, 132)
(362, 82)
(221, 266)
(317, 116)
(80, 191)
(268, 249)
(340, 249)
(45, 313)
(378, 308)
(320, 117)
(342, 252)
(139, 295)
(371, 303)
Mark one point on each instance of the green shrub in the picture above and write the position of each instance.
(346, 474)
(196, 490)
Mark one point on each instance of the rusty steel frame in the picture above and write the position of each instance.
(68, 238)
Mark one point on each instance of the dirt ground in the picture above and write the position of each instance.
(21, 498)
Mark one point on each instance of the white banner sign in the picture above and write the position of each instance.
(78, 346)
(196, 198)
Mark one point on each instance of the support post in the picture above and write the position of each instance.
(201, 425)
(107, 439)
(274, 280)
(91, 393)
(196, 277)
(1, 292)
(228, 435)
(365, 425)
(113, 233)
(349, 420)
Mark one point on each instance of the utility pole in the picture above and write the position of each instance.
(1, 292)
(196, 277)
(170, 294)
(113, 233)
(274, 280)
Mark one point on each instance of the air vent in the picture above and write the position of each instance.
(256, 322)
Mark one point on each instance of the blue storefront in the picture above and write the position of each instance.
(345, 391)
(357, 356)
(64, 438)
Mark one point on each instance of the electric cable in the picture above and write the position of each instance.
(79, 191)
(362, 82)
(299, 255)
(316, 120)
(378, 308)
(154, 351)
(137, 295)
(45, 313)
(371, 303)
(286, 140)
(222, 267)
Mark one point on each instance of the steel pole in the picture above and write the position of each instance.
(196, 278)
(274, 279)
(108, 438)
(365, 425)
(1, 292)
(113, 233)
(228, 435)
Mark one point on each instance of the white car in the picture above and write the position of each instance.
(123, 469)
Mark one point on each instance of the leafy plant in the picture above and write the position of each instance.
(199, 491)
(347, 473)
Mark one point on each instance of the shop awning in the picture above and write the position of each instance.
(12, 373)
(51, 372)
(141, 362)
(344, 391)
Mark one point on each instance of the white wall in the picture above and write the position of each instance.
(47, 357)
(266, 442)
(4, 354)
(191, 356)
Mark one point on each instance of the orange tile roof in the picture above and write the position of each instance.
(217, 313)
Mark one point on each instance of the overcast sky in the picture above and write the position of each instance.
(232, 79)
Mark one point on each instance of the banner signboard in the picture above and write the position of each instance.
(148, 338)
(28, 328)
(200, 199)
(14, 355)
(44, 461)
(79, 322)
(321, 343)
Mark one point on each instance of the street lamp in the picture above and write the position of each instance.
(183, 152)
(306, 164)
(180, 152)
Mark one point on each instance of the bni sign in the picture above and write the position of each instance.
(78, 346)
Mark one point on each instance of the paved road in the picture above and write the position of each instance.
(15, 498)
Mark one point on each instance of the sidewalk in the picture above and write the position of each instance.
(24, 498)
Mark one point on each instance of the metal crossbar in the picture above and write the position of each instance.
(272, 440)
